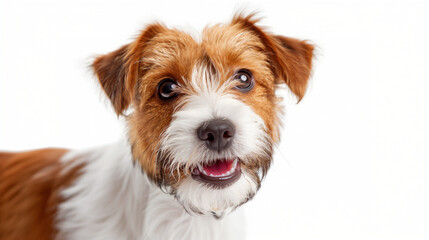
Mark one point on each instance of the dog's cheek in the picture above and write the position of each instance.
(264, 103)
(146, 126)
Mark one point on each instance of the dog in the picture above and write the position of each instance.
(202, 118)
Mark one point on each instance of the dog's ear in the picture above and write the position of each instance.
(112, 71)
(290, 59)
(118, 71)
(293, 62)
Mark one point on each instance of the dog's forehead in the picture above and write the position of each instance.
(169, 48)
(220, 52)
(224, 46)
(231, 43)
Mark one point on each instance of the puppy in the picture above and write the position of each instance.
(202, 120)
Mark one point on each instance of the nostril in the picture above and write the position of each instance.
(206, 134)
(210, 137)
(226, 134)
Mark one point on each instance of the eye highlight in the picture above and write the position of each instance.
(167, 89)
(246, 80)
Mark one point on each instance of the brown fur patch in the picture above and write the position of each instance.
(30, 185)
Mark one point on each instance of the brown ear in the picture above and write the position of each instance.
(293, 62)
(112, 70)
(290, 59)
(118, 71)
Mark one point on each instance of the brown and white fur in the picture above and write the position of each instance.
(142, 187)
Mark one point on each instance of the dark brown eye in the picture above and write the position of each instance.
(245, 78)
(167, 89)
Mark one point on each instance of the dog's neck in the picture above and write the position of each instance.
(113, 199)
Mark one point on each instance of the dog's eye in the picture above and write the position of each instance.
(246, 80)
(167, 89)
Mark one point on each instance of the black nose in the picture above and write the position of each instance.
(217, 134)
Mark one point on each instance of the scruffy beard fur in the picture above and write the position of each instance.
(163, 132)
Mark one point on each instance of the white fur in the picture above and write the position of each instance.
(180, 143)
(113, 199)
(195, 195)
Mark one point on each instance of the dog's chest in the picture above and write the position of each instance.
(166, 219)
(114, 200)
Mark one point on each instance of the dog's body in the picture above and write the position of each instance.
(203, 124)
(95, 194)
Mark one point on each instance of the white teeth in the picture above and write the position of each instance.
(234, 165)
(232, 170)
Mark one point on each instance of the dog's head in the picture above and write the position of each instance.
(204, 112)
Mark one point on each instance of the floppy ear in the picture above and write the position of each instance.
(293, 62)
(112, 70)
(290, 59)
(118, 71)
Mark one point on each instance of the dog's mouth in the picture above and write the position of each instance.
(220, 173)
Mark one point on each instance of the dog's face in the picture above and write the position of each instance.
(204, 116)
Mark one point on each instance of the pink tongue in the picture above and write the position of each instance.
(219, 167)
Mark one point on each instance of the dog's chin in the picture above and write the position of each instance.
(217, 188)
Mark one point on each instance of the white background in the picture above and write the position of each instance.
(353, 163)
